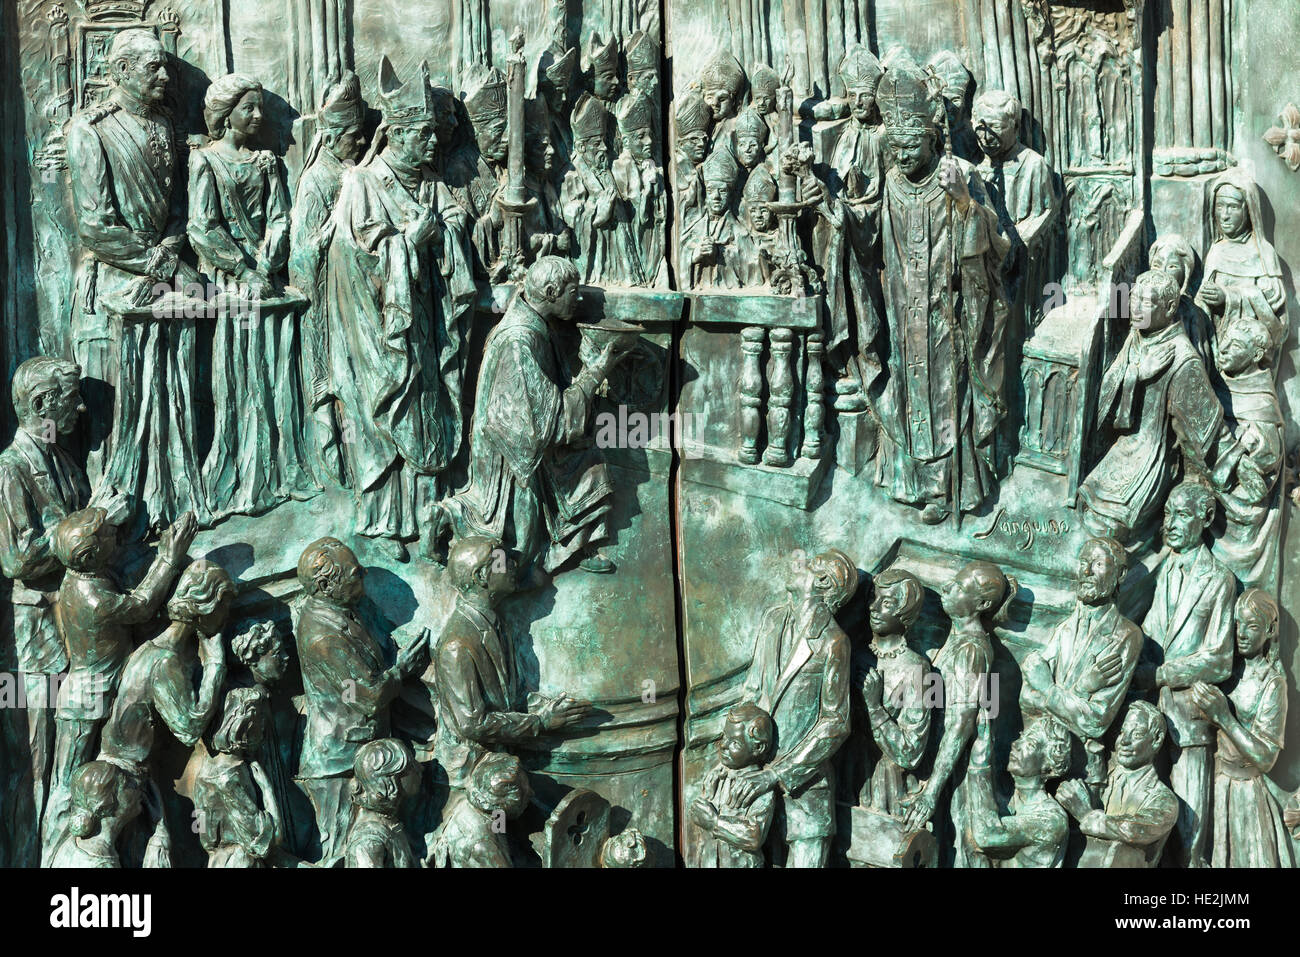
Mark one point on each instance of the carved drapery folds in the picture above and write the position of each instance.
(1194, 105)
(321, 52)
(453, 378)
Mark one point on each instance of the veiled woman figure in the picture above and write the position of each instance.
(976, 598)
(239, 226)
(1243, 276)
(1242, 290)
(1251, 717)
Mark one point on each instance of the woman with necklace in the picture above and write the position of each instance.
(893, 692)
(239, 226)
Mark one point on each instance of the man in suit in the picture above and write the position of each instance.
(1137, 810)
(347, 682)
(40, 484)
(1190, 634)
(800, 676)
(474, 668)
(1081, 675)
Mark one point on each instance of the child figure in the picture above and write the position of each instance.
(1250, 502)
(95, 620)
(105, 799)
(1241, 353)
(893, 693)
(735, 832)
(472, 833)
(239, 821)
(385, 777)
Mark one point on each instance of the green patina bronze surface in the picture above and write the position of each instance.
(619, 435)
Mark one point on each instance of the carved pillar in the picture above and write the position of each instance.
(61, 58)
(514, 202)
(751, 392)
(780, 385)
(814, 416)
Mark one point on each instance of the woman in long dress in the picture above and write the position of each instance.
(1251, 718)
(239, 226)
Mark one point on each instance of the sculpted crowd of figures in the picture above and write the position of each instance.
(340, 360)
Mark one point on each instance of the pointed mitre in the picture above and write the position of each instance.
(559, 67)
(635, 112)
(723, 71)
(342, 107)
(485, 98)
(860, 69)
(750, 122)
(589, 119)
(642, 52)
(536, 116)
(602, 54)
(760, 187)
(764, 80)
(720, 167)
(951, 73)
(404, 102)
(906, 97)
(692, 114)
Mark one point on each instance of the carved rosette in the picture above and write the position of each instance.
(1285, 137)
